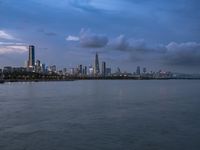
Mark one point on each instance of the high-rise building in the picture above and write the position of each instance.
(103, 69)
(38, 66)
(31, 58)
(85, 70)
(37, 63)
(91, 70)
(80, 69)
(96, 65)
(108, 71)
(118, 70)
(52, 68)
(138, 70)
(72, 71)
(43, 68)
(144, 70)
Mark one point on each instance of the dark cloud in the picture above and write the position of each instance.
(92, 40)
(184, 54)
(176, 54)
(87, 39)
(120, 43)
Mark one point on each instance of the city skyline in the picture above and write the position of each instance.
(157, 34)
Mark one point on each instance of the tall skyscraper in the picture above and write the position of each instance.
(80, 69)
(85, 70)
(96, 65)
(31, 58)
(103, 69)
(138, 70)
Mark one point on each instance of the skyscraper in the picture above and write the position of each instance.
(80, 69)
(31, 58)
(138, 70)
(144, 70)
(38, 66)
(96, 65)
(103, 69)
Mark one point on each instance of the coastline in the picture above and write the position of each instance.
(90, 78)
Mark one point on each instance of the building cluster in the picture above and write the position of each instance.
(91, 70)
(96, 70)
(35, 65)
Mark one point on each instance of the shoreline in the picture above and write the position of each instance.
(93, 78)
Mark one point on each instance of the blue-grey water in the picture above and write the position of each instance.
(100, 115)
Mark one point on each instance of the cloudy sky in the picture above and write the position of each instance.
(157, 34)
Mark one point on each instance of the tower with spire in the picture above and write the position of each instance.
(96, 65)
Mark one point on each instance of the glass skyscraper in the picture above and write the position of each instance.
(96, 65)
(31, 59)
(103, 69)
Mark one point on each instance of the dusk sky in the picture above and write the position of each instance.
(157, 34)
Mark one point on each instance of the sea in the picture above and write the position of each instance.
(100, 115)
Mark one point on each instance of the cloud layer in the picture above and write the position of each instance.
(7, 46)
(87, 39)
(10, 49)
(187, 54)
(5, 35)
(179, 54)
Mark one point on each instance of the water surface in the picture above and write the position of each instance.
(100, 115)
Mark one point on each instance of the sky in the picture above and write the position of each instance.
(156, 34)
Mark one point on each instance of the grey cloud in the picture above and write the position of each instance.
(178, 54)
(187, 54)
(92, 40)
(120, 43)
(87, 39)
(183, 54)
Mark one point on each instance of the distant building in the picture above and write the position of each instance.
(91, 70)
(7, 69)
(138, 70)
(118, 70)
(108, 71)
(52, 68)
(144, 70)
(37, 63)
(19, 69)
(96, 65)
(85, 70)
(80, 69)
(103, 69)
(37, 66)
(1, 74)
(43, 68)
(72, 71)
(65, 70)
(31, 58)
